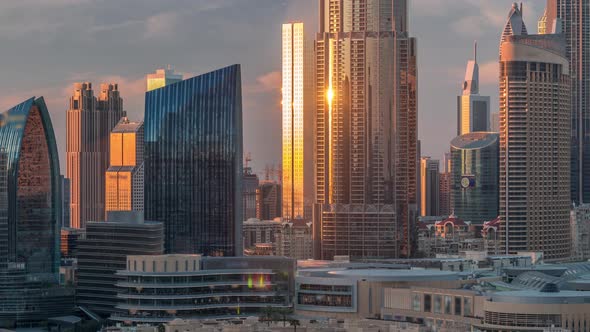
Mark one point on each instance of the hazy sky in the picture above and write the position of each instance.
(46, 45)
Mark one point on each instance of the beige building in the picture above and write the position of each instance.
(161, 78)
(535, 132)
(124, 177)
(89, 122)
(366, 116)
(580, 230)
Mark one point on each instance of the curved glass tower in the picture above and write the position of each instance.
(474, 176)
(193, 162)
(33, 209)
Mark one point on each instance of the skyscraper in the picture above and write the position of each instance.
(65, 201)
(366, 133)
(298, 104)
(473, 110)
(474, 176)
(268, 201)
(572, 18)
(162, 77)
(193, 162)
(30, 205)
(89, 123)
(429, 191)
(124, 177)
(535, 105)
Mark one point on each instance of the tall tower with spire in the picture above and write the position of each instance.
(473, 110)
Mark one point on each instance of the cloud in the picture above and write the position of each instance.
(267, 82)
(489, 72)
(161, 25)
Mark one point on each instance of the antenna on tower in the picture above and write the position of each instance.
(475, 51)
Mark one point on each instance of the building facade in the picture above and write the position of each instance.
(124, 177)
(30, 218)
(366, 136)
(161, 78)
(65, 201)
(250, 184)
(298, 105)
(580, 228)
(473, 110)
(104, 251)
(573, 20)
(474, 176)
(429, 187)
(204, 287)
(268, 201)
(193, 162)
(89, 123)
(535, 107)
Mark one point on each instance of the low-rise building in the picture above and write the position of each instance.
(278, 238)
(159, 289)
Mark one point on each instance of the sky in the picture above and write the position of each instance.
(47, 45)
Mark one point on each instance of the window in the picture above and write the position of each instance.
(448, 304)
(457, 305)
(154, 266)
(186, 265)
(467, 306)
(176, 266)
(427, 303)
(143, 266)
(416, 301)
(134, 265)
(165, 266)
(437, 304)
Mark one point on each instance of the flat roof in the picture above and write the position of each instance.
(533, 297)
(381, 274)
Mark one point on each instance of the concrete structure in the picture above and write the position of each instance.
(268, 201)
(444, 194)
(535, 106)
(124, 177)
(572, 19)
(429, 187)
(203, 287)
(104, 251)
(366, 118)
(250, 184)
(280, 238)
(448, 236)
(473, 110)
(89, 123)
(474, 176)
(356, 230)
(580, 228)
(357, 290)
(30, 218)
(193, 162)
(161, 78)
(69, 241)
(298, 101)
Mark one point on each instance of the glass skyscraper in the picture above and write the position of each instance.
(474, 176)
(30, 217)
(193, 162)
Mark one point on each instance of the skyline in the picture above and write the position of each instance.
(117, 45)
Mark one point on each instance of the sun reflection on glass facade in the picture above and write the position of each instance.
(193, 162)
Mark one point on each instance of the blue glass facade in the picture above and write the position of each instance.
(33, 189)
(193, 162)
(475, 176)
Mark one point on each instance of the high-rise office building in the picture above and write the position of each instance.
(65, 201)
(104, 251)
(474, 176)
(572, 18)
(444, 194)
(193, 162)
(366, 113)
(89, 123)
(268, 201)
(124, 177)
(30, 212)
(535, 106)
(429, 190)
(161, 78)
(250, 184)
(473, 110)
(298, 104)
